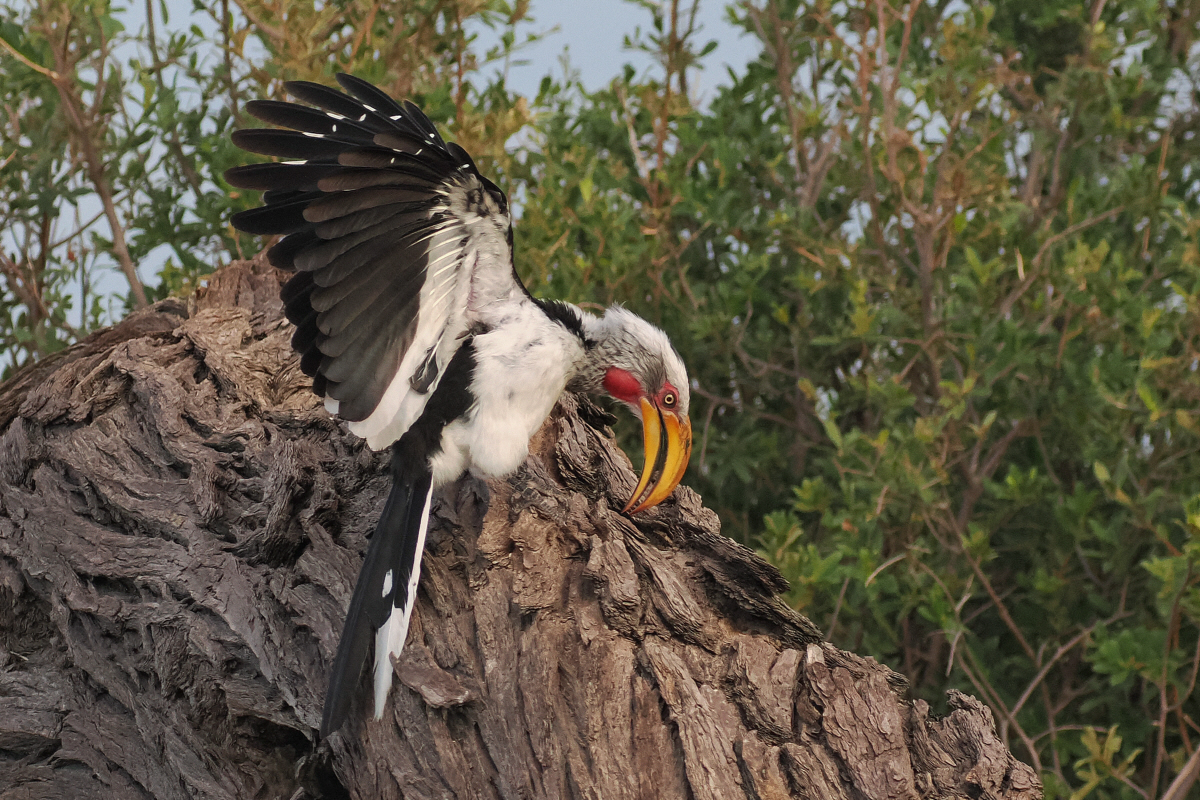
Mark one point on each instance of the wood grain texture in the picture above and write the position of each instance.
(180, 528)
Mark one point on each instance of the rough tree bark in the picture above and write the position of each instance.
(180, 528)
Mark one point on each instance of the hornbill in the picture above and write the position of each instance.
(417, 331)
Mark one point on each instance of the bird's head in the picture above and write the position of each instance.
(633, 361)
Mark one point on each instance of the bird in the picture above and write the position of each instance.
(418, 333)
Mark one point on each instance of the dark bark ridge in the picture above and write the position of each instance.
(180, 528)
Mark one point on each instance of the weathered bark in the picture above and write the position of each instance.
(180, 528)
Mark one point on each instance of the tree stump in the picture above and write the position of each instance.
(181, 525)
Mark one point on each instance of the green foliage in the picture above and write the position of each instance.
(995, 316)
(935, 275)
(109, 156)
(933, 266)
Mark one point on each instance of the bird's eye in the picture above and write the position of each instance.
(669, 399)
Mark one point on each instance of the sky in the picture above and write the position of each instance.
(591, 34)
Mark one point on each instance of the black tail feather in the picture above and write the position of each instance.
(393, 548)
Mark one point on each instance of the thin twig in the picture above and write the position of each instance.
(1164, 705)
(883, 566)
(1009, 622)
(49, 73)
(642, 167)
(1035, 266)
(837, 608)
(1045, 670)
(274, 32)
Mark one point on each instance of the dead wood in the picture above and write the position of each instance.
(180, 527)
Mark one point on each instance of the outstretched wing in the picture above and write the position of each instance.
(395, 238)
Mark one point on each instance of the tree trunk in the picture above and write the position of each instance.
(181, 525)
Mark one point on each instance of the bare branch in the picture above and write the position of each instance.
(84, 131)
(1186, 778)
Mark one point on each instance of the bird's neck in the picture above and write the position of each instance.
(600, 343)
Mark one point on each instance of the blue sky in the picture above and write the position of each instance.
(591, 34)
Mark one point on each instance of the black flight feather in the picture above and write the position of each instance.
(289, 144)
(405, 248)
(359, 285)
(329, 271)
(349, 178)
(400, 306)
(351, 345)
(306, 333)
(405, 215)
(338, 103)
(286, 217)
(295, 291)
(273, 176)
(310, 362)
(367, 379)
(422, 123)
(309, 120)
(273, 197)
(333, 206)
(347, 344)
(370, 95)
(420, 168)
(412, 145)
(283, 253)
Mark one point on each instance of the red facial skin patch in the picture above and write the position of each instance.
(623, 386)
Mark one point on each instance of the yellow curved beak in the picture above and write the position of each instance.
(673, 462)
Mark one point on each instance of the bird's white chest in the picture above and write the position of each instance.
(522, 367)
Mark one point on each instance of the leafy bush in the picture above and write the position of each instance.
(935, 270)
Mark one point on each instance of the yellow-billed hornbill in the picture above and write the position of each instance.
(417, 331)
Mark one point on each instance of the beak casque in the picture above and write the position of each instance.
(669, 462)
